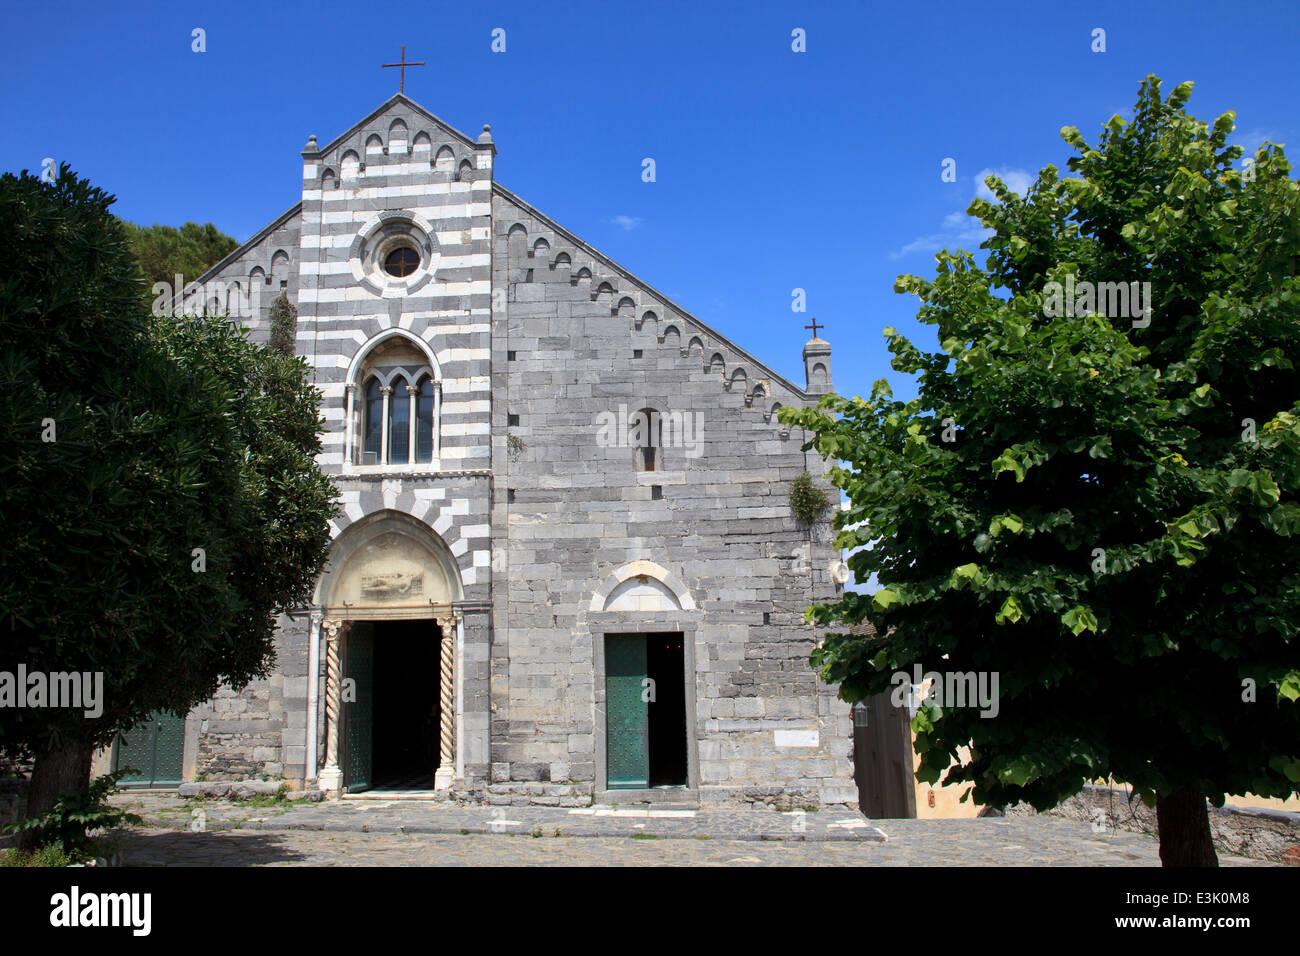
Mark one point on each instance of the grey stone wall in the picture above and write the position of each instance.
(580, 338)
(260, 732)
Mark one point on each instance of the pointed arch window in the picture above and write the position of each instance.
(397, 423)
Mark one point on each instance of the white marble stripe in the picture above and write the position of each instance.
(475, 383)
(349, 325)
(462, 355)
(447, 190)
(332, 334)
(464, 431)
(353, 293)
(343, 267)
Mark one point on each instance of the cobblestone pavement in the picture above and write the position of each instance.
(351, 833)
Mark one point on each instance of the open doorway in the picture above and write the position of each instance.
(393, 723)
(645, 701)
(406, 705)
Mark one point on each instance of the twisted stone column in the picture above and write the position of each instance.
(331, 777)
(313, 696)
(446, 704)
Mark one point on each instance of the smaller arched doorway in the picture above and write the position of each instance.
(643, 622)
(391, 629)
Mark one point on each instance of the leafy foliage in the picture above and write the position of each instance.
(807, 501)
(165, 251)
(49, 855)
(168, 437)
(1115, 529)
(76, 815)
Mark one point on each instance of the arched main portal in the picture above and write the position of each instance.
(392, 634)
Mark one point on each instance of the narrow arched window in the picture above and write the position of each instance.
(374, 432)
(645, 435)
(424, 422)
(399, 417)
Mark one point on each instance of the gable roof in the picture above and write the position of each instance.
(597, 254)
(397, 99)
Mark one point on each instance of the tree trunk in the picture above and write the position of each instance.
(55, 772)
(1184, 824)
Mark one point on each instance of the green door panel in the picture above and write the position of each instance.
(154, 750)
(358, 708)
(627, 737)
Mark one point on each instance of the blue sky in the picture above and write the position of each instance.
(775, 170)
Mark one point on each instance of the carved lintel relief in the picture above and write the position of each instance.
(392, 585)
(392, 570)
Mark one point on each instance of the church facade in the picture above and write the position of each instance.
(566, 568)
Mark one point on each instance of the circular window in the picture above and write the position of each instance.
(401, 262)
(394, 253)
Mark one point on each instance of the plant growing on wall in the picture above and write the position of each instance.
(284, 325)
(807, 501)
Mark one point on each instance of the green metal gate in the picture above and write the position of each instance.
(359, 707)
(155, 750)
(627, 737)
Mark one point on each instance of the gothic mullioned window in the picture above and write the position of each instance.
(394, 408)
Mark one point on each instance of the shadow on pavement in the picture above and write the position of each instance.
(213, 848)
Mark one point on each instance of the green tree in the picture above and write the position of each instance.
(284, 325)
(165, 251)
(1100, 507)
(158, 482)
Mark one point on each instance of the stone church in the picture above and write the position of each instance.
(566, 568)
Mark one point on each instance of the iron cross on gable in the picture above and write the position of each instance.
(814, 327)
(401, 83)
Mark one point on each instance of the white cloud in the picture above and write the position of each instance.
(627, 222)
(1019, 180)
(1251, 139)
(959, 230)
(962, 231)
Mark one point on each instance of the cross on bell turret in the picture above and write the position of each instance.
(817, 362)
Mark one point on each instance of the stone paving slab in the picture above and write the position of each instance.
(429, 816)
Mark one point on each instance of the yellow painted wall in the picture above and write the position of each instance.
(948, 805)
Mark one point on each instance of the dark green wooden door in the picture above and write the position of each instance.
(155, 750)
(627, 727)
(359, 708)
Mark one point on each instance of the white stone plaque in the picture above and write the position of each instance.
(796, 738)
